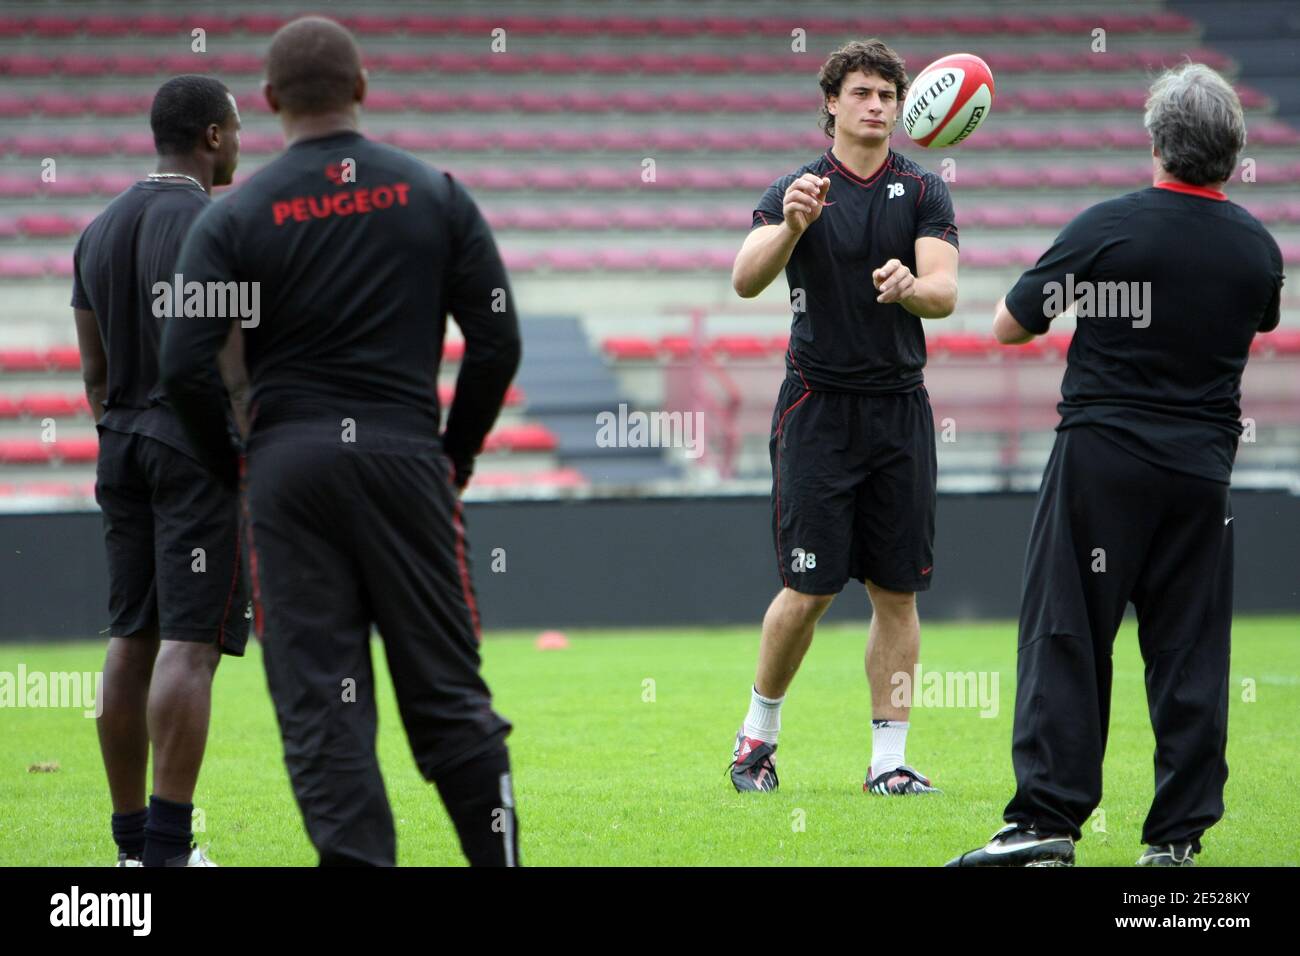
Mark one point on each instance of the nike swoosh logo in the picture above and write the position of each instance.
(1227, 521)
(999, 850)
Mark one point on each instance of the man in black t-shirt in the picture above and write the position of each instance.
(1169, 285)
(176, 592)
(868, 243)
(351, 254)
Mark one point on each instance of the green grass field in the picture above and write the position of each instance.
(605, 776)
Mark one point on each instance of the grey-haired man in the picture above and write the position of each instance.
(1170, 285)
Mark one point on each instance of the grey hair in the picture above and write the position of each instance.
(1196, 124)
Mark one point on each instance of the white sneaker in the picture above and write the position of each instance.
(124, 860)
(196, 858)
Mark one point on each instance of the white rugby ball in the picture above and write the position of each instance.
(948, 100)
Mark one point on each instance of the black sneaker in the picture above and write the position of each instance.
(1168, 854)
(897, 782)
(1017, 845)
(754, 764)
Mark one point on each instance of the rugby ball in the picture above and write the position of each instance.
(948, 100)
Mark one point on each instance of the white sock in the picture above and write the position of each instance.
(888, 743)
(763, 722)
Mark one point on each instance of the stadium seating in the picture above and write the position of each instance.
(553, 139)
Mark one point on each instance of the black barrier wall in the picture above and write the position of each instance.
(648, 561)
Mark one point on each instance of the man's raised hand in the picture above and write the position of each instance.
(804, 200)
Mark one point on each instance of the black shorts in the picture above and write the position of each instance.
(173, 539)
(853, 489)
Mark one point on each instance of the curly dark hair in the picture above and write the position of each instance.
(869, 56)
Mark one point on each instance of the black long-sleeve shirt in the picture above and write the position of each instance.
(348, 255)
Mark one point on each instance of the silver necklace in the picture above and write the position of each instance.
(156, 177)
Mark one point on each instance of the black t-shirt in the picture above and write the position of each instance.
(843, 340)
(356, 265)
(120, 256)
(1171, 286)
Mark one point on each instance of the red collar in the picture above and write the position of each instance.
(1193, 190)
(854, 177)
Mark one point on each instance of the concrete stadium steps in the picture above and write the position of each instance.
(568, 385)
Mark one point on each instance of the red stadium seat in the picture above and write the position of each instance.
(21, 360)
(60, 104)
(416, 140)
(63, 358)
(59, 264)
(1057, 343)
(82, 64)
(237, 63)
(34, 145)
(48, 489)
(67, 184)
(630, 348)
(110, 184)
(1019, 26)
(93, 144)
(961, 345)
(76, 450)
(27, 65)
(680, 346)
(259, 23)
(519, 262)
(405, 62)
(21, 267)
(137, 143)
(161, 25)
(740, 346)
(47, 226)
(554, 478)
(372, 24)
(675, 260)
(16, 107)
(25, 452)
(52, 27)
(433, 101)
(620, 260)
(53, 405)
(134, 65)
(117, 104)
(530, 437)
(107, 26)
(17, 187)
(569, 260)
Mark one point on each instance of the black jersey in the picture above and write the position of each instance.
(841, 339)
(121, 256)
(1170, 284)
(353, 252)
